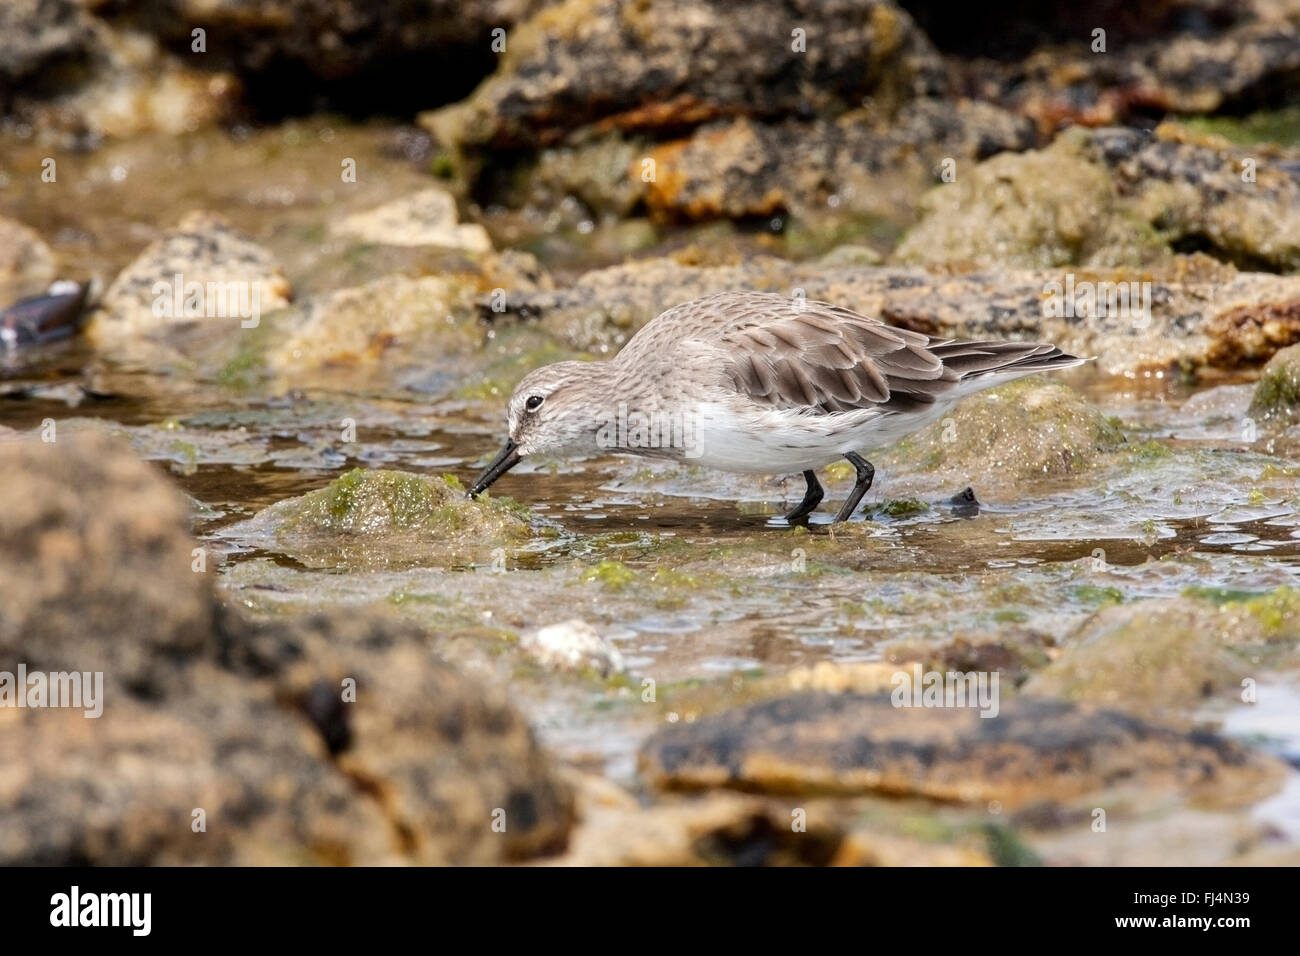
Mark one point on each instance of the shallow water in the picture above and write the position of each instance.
(685, 571)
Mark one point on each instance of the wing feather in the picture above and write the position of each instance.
(817, 357)
(829, 359)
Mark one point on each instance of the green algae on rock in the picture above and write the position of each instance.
(1277, 393)
(1152, 656)
(1009, 437)
(378, 518)
(1115, 197)
(1040, 209)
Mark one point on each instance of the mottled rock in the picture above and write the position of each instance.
(368, 519)
(222, 775)
(427, 218)
(673, 63)
(1032, 751)
(719, 829)
(331, 39)
(26, 262)
(415, 767)
(1277, 393)
(1201, 313)
(1115, 197)
(220, 740)
(235, 282)
(455, 769)
(1239, 204)
(1018, 434)
(96, 565)
(1034, 210)
(364, 325)
(573, 645)
(1153, 656)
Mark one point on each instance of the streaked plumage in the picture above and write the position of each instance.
(772, 385)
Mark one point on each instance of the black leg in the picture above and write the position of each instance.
(865, 474)
(811, 498)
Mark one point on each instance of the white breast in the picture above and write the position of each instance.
(781, 441)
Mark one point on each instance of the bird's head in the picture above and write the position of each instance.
(553, 411)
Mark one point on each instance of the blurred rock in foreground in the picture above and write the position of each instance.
(1026, 751)
(329, 740)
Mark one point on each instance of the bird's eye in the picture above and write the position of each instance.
(533, 403)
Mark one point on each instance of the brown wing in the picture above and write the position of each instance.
(826, 358)
(833, 360)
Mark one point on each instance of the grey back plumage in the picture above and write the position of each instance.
(819, 357)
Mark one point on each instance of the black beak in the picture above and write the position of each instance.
(503, 462)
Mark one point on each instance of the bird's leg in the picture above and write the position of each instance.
(811, 498)
(865, 474)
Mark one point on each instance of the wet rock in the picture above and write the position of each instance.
(26, 262)
(427, 218)
(1153, 656)
(366, 325)
(96, 565)
(368, 519)
(203, 270)
(573, 645)
(1011, 437)
(673, 64)
(1115, 197)
(1277, 393)
(1201, 312)
(1032, 751)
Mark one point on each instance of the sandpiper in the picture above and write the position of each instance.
(759, 383)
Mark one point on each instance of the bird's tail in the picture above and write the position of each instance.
(982, 365)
